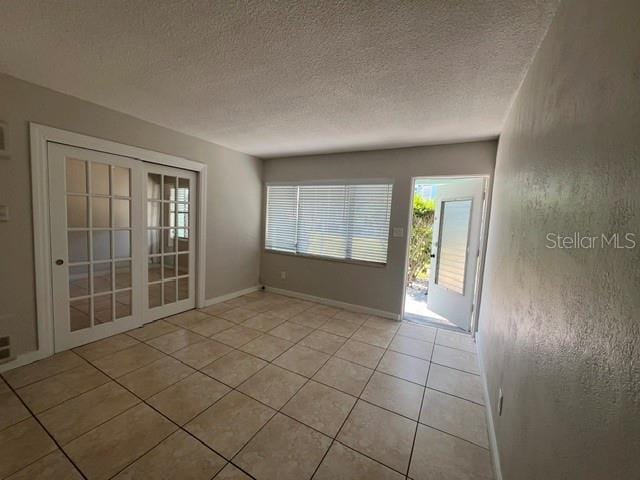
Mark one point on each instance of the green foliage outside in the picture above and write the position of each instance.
(420, 242)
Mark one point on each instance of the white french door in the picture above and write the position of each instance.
(122, 243)
(170, 241)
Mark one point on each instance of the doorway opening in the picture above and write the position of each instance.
(446, 232)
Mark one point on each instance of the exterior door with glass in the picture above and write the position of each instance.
(97, 233)
(170, 241)
(455, 249)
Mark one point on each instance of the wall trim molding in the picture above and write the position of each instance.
(493, 442)
(24, 359)
(229, 296)
(334, 303)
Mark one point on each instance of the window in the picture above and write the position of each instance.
(336, 221)
(180, 211)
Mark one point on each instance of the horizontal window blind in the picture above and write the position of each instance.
(336, 221)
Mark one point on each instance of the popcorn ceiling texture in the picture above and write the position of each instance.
(560, 328)
(283, 78)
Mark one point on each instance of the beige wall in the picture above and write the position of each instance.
(370, 286)
(560, 328)
(233, 204)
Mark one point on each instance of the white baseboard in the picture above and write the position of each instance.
(23, 359)
(334, 303)
(493, 443)
(223, 298)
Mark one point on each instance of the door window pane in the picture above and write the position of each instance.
(169, 266)
(100, 213)
(100, 178)
(155, 295)
(123, 304)
(101, 245)
(122, 241)
(79, 281)
(121, 182)
(154, 211)
(183, 239)
(154, 269)
(78, 246)
(169, 188)
(169, 236)
(102, 309)
(153, 186)
(79, 314)
(121, 213)
(123, 274)
(102, 277)
(183, 288)
(168, 215)
(77, 212)
(183, 264)
(76, 172)
(169, 292)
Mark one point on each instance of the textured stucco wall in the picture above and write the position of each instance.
(233, 205)
(560, 328)
(370, 286)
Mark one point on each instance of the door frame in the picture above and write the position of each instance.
(40, 136)
(482, 245)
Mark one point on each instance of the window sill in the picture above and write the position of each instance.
(362, 263)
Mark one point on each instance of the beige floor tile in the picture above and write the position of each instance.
(231, 472)
(454, 382)
(287, 311)
(267, 347)
(234, 368)
(180, 456)
(3, 386)
(325, 310)
(230, 423)
(174, 341)
(237, 336)
(54, 390)
(323, 341)
(22, 444)
(202, 353)
(411, 346)
(11, 410)
(54, 466)
(404, 366)
(361, 353)
(373, 336)
(379, 434)
(419, 332)
(107, 346)
(125, 361)
(454, 358)
(461, 341)
(456, 416)
(239, 301)
(320, 407)
(447, 457)
(216, 309)
(302, 360)
(155, 377)
(105, 450)
(344, 328)
(82, 413)
(394, 394)
(58, 363)
(238, 315)
(386, 324)
(152, 330)
(291, 331)
(310, 319)
(342, 463)
(273, 386)
(211, 326)
(187, 319)
(263, 322)
(344, 375)
(189, 397)
(283, 450)
(354, 317)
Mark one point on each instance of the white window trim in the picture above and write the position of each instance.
(348, 181)
(40, 135)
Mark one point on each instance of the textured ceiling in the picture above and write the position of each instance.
(277, 78)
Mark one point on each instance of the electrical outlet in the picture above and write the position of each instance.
(500, 400)
(283, 275)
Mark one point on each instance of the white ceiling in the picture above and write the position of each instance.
(280, 78)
